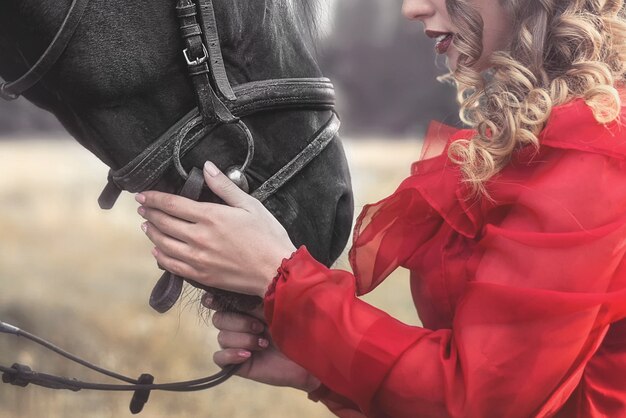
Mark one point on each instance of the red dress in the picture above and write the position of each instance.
(522, 298)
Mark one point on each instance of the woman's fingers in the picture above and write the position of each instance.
(257, 312)
(223, 187)
(242, 340)
(230, 356)
(166, 244)
(177, 206)
(168, 224)
(176, 266)
(240, 335)
(236, 322)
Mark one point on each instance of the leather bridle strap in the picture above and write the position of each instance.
(170, 286)
(22, 375)
(12, 90)
(212, 41)
(143, 171)
(313, 149)
(211, 107)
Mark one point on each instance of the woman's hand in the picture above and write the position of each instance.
(244, 341)
(237, 246)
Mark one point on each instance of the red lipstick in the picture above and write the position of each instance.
(444, 40)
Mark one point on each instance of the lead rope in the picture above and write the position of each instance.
(22, 375)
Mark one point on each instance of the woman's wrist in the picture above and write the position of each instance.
(273, 265)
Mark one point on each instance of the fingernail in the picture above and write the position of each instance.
(263, 343)
(207, 300)
(244, 354)
(210, 168)
(141, 210)
(257, 327)
(144, 227)
(140, 198)
(155, 252)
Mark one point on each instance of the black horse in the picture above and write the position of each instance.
(123, 81)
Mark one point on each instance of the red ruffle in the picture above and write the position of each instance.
(389, 232)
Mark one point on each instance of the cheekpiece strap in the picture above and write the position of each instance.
(169, 287)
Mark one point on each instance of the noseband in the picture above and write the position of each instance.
(218, 104)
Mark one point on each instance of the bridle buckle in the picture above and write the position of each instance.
(197, 61)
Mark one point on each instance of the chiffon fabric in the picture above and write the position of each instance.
(522, 296)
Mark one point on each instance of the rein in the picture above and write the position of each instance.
(218, 104)
(22, 375)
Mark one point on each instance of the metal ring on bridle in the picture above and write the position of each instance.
(184, 131)
(250, 142)
(235, 173)
(238, 174)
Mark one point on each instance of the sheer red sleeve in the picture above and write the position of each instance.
(547, 277)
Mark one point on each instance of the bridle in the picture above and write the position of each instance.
(218, 104)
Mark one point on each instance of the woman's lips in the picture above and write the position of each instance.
(443, 40)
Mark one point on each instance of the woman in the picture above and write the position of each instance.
(515, 236)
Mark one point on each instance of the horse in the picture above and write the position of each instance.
(123, 82)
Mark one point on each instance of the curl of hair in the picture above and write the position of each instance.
(560, 50)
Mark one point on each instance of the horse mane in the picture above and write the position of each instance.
(311, 16)
(311, 13)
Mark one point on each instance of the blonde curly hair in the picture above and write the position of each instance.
(560, 50)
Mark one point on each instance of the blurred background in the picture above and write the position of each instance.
(81, 277)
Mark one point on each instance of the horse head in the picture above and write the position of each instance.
(122, 82)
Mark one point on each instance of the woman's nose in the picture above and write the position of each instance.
(417, 9)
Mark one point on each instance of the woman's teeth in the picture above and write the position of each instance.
(443, 43)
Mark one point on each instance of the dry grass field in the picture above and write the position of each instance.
(80, 277)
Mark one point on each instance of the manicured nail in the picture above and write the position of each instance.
(263, 343)
(140, 198)
(155, 252)
(141, 210)
(210, 168)
(144, 227)
(207, 300)
(244, 354)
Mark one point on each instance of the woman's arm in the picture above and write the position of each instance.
(547, 281)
